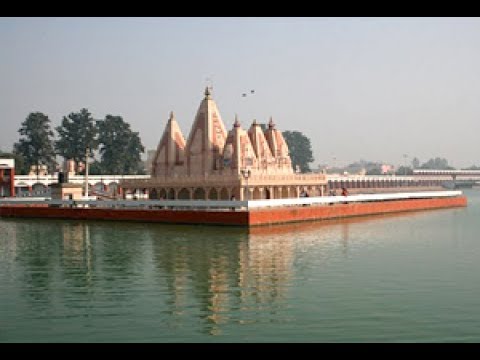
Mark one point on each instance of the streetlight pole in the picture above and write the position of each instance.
(405, 165)
(246, 174)
(86, 172)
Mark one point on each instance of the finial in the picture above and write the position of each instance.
(207, 93)
(254, 122)
(171, 115)
(271, 124)
(236, 123)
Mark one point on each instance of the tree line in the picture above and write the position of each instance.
(120, 148)
(375, 167)
(78, 137)
(436, 163)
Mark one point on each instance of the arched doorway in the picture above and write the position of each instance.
(257, 194)
(113, 188)
(267, 194)
(199, 194)
(39, 189)
(162, 194)
(153, 194)
(224, 194)
(184, 194)
(213, 194)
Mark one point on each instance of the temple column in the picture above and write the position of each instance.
(12, 182)
(2, 193)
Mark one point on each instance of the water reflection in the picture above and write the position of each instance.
(77, 256)
(37, 254)
(221, 277)
(199, 263)
(345, 279)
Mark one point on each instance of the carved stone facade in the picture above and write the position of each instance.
(213, 164)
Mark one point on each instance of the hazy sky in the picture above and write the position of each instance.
(359, 88)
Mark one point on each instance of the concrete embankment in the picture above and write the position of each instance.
(252, 217)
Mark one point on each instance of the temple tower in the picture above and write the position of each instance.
(279, 149)
(169, 158)
(206, 139)
(260, 146)
(239, 153)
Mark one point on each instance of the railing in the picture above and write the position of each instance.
(446, 172)
(226, 204)
(356, 177)
(80, 179)
(324, 200)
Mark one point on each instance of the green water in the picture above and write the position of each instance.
(404, 278)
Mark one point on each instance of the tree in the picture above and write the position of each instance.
(404, 170)
(415, 163)
(120, 147)
(35, 145)
(437, 164)
(361, 165)
(95, 168)
(300, 149)
(77, 133)
(374, 171)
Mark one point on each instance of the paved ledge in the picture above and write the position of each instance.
(310, 209)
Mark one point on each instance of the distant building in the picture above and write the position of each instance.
(7, 177)
(69, 168)
(387, 169)
(42, 170)
(81, 167)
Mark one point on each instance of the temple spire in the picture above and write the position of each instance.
(236, 123)
(271, 124)
(207, 93)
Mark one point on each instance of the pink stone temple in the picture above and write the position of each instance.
(213, 164)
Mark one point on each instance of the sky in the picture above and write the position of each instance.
(377, 89)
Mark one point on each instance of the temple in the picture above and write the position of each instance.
(213, 164)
